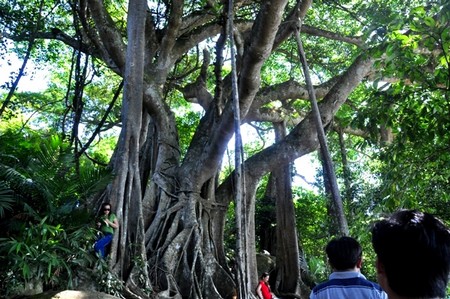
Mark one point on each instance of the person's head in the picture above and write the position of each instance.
(344, 253)
(413, 254)
(106, 208)
(265, 276)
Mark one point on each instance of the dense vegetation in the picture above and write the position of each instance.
(144, 119)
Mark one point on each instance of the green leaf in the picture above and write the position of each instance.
(444, 61)
(429, 21)
(26, 272)
(419, 11)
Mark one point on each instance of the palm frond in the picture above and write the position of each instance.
(6, 199)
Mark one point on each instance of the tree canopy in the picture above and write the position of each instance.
(162, 81)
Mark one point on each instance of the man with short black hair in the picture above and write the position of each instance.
(413, 255)
(346, 281)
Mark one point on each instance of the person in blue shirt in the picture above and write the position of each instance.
(413, 255)
(346, 281)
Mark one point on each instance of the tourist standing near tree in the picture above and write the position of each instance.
(263, 288)
(106, 224)
(346, 281)
(413, 255)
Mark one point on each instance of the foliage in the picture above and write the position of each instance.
(44, 253)
(417, 177)
(186, 123)
(108, 282)
(413, 171)
(47, 235)
(311, 215)
(41, 190)
(43, 176)
(6, 199)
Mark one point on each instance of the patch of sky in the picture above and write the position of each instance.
(305, 166)
(34, 79)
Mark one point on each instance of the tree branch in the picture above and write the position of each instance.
(303, 138)
(110, 37)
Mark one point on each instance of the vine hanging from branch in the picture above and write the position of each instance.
(336, 197)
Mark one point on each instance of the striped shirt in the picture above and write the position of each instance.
(347, 285)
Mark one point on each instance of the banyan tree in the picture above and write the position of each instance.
(239, 63)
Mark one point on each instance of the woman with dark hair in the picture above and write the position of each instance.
(263, 288)
(106, 224)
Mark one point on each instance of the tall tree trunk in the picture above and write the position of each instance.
(128, 249)
(287, 262)
(183, 218)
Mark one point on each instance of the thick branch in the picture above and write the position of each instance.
(355, 40)
(169, 39)
(303, 138)
(286, 29)
(54, 34)
(259, 49)
(111, 38)
(289, 90)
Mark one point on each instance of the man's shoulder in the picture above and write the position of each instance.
(353, 288)
(347, 282)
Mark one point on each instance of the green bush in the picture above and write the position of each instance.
(45, 254)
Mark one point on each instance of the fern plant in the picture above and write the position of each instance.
(6, 199)
(47, 234)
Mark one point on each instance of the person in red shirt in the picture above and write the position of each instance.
(263, 288)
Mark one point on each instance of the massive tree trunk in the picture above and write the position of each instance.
(126, 193)
(171, 201)
(170, 204)
(288, 268)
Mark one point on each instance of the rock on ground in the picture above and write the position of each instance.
(68, 294)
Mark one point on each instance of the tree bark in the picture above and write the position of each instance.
(288, 268)
(126, 193)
